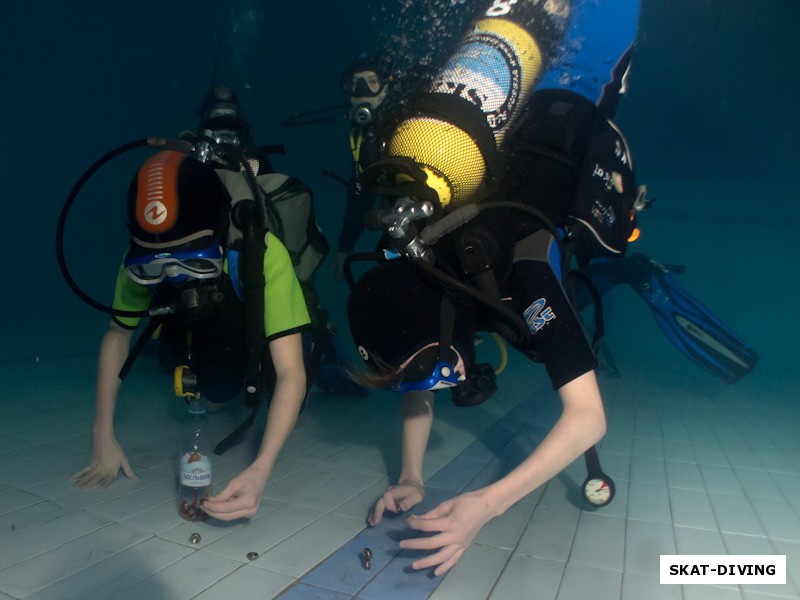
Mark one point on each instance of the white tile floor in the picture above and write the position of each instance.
(700, 467)
(691, 479)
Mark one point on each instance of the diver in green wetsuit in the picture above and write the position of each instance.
(180, 257)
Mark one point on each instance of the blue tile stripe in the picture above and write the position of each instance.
(498, 450)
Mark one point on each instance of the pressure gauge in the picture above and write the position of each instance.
(598, 491)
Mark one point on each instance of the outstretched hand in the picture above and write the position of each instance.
(396, 498)
(107, 461)
(240, 498)
(457, 522)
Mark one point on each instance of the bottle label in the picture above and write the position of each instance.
(195, 469)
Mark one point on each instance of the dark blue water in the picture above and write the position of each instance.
(711, 117)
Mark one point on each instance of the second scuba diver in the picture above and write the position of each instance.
(368, 81)
(498, 191)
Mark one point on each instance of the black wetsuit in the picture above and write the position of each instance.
(366, 150)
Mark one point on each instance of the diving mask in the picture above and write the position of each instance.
(363, 84)
(175, 266)
(444, 375)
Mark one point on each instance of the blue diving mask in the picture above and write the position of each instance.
(444, 376)
(175, 266)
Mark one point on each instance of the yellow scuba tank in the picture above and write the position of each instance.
(453, 131)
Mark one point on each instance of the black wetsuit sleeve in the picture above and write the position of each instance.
(558, 337)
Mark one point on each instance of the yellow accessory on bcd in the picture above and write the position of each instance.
(185, 382)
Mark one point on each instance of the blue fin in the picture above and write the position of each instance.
(691, 327)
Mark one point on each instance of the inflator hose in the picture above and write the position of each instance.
(152, 142)
(62, 220)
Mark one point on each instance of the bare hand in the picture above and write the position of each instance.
(107, 460)
(240, 498)
(457, 522)
(396, 498)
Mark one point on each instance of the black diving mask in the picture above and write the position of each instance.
(363, 86)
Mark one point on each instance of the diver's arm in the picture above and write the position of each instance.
(410, 489)
(456, 522)
(113, 353)
(242, 496)
(581, 424)
(417, 420)
(107, 455)
(290, 388)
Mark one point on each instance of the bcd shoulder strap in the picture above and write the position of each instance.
(251, 276)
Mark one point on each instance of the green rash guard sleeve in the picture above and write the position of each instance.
(285, 309)
(129, 295)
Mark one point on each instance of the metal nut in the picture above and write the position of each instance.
(194, 538)
(366, 559)
(252, 555)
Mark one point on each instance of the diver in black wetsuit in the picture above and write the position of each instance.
(498, 189)
(368, 81)
(686, 322)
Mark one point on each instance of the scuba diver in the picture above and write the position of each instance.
(184, 264)
(223, 120)
(224, 126)
(498, 191)
(368, 81)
